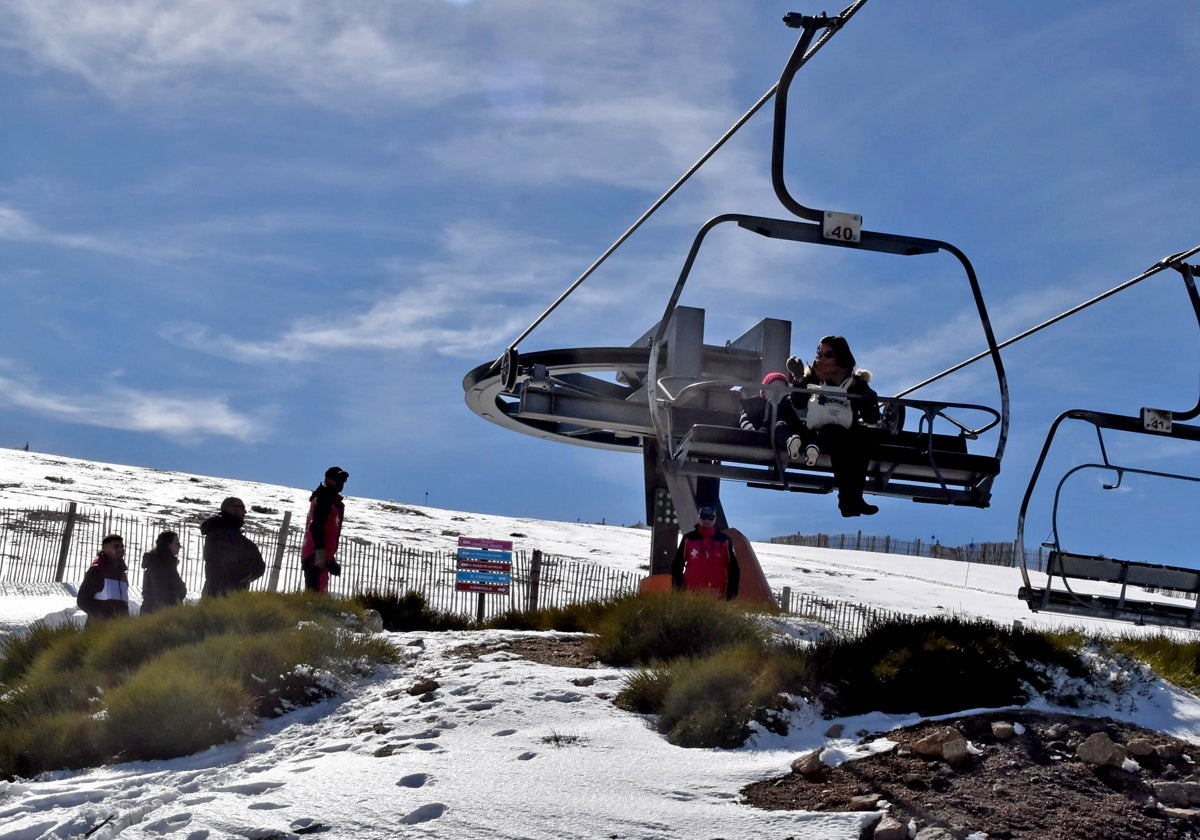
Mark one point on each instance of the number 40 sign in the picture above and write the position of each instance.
(841, 227)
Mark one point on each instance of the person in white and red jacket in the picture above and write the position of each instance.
(705, 560)
(322, 529)
(104, 593)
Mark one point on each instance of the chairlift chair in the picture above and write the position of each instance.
(1098, 586)
(675, 398)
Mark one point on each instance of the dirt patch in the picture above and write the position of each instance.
(566, 652)
(1029, 785)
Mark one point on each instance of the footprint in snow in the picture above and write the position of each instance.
(424, 814)
(504, 732)
(251, 789)
(414, 780)
(170, 824)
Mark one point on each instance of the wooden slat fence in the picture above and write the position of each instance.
(35, 546)
(842, 617)
(987, 553)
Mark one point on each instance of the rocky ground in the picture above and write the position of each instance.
(1023, 775)
(1020, 776)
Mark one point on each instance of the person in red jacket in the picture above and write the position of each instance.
(104, 593)
(318, 557)
(705, 560)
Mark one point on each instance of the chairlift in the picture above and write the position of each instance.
(674, 397)
(1096, 585)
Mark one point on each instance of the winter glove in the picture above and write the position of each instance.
(319, 560)
(796, 368)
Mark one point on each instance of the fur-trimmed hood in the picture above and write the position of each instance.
(861, 373)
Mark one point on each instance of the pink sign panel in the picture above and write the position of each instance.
(478, 542)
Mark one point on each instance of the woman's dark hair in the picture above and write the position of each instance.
(165, 539)
(841, 351)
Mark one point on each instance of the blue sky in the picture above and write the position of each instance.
(252, 239)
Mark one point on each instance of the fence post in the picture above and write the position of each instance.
(280, 545)
(785, 599)
(535, 578)
(68, 528)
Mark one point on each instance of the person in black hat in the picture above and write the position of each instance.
(705, 560)
(326, 510)
(231, 559)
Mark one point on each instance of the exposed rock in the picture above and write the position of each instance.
(372, 621)
(956, 751)
(890, 828)
(1002, 730)
(865, 802)
(835, 731)
(424, 686)
(809, 764)
(935, 832)
(1098, 749)
(1057, 731)
(1140, 747)
(1173, 794)
(1169, 753)
(933, 745)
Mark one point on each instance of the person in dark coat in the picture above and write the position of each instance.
(231, 560)
(162, 586)
(756, 412)
(705, 560)
(104, 593)
(835, 422)
(322, 529)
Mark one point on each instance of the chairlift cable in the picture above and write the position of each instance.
(1167, 262)
(833, 25)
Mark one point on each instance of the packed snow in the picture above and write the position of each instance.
(503, 747)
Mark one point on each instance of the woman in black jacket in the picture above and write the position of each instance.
(162, 586)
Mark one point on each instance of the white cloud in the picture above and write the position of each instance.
(184, 419)
(337, 56)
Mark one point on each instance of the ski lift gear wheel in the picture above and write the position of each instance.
(508, 369)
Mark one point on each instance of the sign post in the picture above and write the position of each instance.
(484, 566)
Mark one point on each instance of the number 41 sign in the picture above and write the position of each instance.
(1156, 420)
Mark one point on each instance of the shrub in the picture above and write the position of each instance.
(410, 612)
(712, 700)
(930, 666)
(173, 682)
(19, 650)
(62, 740)
(159, 713)
(647, 628)
(573, 618)
(645, 690)
(1170, 658)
